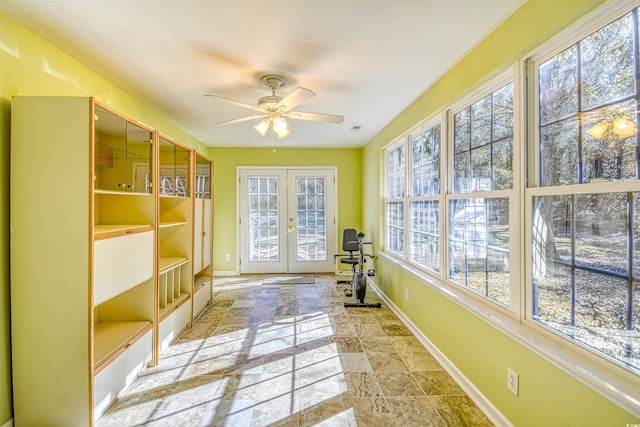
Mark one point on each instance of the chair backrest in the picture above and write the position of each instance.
(350, 240)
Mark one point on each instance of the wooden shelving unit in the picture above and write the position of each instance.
(175, 249)
(202, 233)
(102, 282)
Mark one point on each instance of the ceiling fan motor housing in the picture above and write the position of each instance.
(268, 102)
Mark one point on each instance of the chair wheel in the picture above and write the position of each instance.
(348, 293)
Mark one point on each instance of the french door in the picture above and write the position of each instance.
(287, 220)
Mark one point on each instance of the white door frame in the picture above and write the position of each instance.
(332, 222)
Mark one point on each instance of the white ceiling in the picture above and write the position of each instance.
(366, 60)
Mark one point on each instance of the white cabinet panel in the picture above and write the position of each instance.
(121, 263)
(201, 299)
(173, 325)
(120, 373)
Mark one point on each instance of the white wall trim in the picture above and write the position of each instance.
(472, 391)
(219, 273)
(8, 423)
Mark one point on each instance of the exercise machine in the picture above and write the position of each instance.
(352, 242)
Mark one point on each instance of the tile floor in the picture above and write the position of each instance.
(267, 354)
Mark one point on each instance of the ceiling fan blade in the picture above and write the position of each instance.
(295, 98)
(316, 117)
(237, 103)
(241, 119)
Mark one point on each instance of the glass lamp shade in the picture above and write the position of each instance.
(263, 127)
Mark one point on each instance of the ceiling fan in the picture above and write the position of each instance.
(274, 109)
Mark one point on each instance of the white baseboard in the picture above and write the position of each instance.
(225, 273)
(8, 423)
(472, 391)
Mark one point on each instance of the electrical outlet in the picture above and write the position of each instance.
(406, 294)
(228, 257)
(512, 381)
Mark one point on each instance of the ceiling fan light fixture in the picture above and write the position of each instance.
(263, 127)
(283, 133)
(280, 124)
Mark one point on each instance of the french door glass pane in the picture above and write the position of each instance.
(311, 239)
(263, 219)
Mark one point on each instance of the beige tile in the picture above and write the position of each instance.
(346, 344)
(396, 384)
(420, 361)
(407, 344)
(396, 330)
(416, 411)
(234, 413)
(329, 413)
(386, 362)
(314, 389)
(460, 411)
(360, 384)
(292, 355)
(278, 411)
(369, 329)
(368, 411)
(436, 383)
(378, 344)
(354, 362)
(361, 318)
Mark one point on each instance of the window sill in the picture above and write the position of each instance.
(604, 376)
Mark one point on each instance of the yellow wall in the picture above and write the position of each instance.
(31, 66)
(548, 396)
(349, 188)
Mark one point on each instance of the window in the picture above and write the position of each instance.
(412, 196)
(454, 207)
(424, 206)
(394, 204)
(585, 236)
(479, 204)
(479, 243)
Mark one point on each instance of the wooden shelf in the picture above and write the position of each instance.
(201, 281)
(98, 191)
(172, 306)
(110, 338)
(167, 224)
(167, 264)
(169, 196)
(107, 231)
